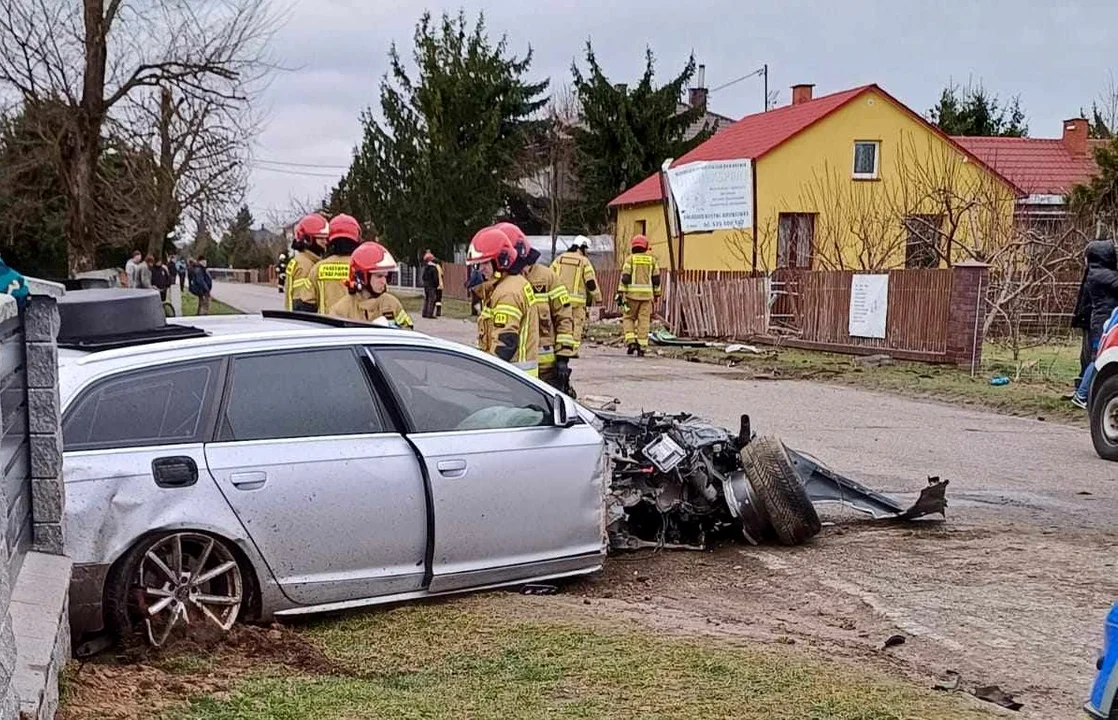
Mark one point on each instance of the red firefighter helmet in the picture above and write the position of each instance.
(370, 258)
(516, 235)
(639, 242)
(345, 226)
(310, 228)
(492, 244)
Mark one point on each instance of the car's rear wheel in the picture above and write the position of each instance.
(174, 583)
(770, 471)
(1104, 419)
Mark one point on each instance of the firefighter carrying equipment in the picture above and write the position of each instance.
(639, 286)
(367, 307)
(577, 275)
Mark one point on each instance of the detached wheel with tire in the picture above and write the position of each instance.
(1104, 419)
(780, 492)
(173, 583)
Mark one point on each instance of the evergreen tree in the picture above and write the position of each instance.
(439, 161)
(971, 110)
(1098, 197)
(1097, 127)
(237, 244)
(625, 134)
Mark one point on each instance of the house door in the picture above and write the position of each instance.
(795, 240)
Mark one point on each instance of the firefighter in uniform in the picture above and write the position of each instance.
(577, 275)
(309, 246)
(331, 272)
(553, 305)
(508, 325)
(638, 289)
(368, 298)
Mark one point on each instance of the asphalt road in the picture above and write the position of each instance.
(1011, 590)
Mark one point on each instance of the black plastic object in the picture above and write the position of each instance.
(327, 320)
(174, 472)
(104, 319)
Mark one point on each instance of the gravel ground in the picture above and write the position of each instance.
(1011, 590)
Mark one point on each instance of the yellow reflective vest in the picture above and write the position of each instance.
(553, 305)
(640, 277)
(298, 285)
(509, 326)
(576, 272)
(328, 279)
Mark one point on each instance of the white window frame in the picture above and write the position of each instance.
(876, 160)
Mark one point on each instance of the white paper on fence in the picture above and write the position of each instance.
(713, 195)
(869, 304)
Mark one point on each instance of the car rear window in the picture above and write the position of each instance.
(160, 406)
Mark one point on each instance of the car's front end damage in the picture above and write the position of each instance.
(679, 482)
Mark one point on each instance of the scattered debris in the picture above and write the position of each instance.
(677, 482)
(994, 694)
(894, 641)
(999, 380)
(663, 337)
(539, 589)
(869, 361)
(948, 682)
(752, 349)
(599, 402)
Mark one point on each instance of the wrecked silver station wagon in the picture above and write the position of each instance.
(679, 482)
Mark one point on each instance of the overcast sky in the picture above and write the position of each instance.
(1055, 54)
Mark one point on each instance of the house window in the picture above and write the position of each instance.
(867, 159)
(923, 241)
(641, 227)
(795, 240)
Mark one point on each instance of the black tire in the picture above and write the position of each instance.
(123, 596)
(1104, 430)
(780, 492)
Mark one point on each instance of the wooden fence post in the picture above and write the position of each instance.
(969, 283)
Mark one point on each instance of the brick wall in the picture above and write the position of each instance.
(969, 283)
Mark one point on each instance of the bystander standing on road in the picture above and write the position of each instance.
(201, 284)
(161, 279)
(474, 279)
(132, 269)
(181, 268)
(1101, 289)
(143, 273)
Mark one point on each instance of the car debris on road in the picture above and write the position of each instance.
(678, 482)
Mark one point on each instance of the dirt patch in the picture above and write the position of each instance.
(142, 683)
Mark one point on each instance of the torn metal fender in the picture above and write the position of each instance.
(826, 486)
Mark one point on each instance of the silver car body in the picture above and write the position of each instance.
(330, 522)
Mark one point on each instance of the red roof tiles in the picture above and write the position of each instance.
(1039, 166)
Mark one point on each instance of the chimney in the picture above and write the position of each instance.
(697, 96)
(801, 93)
(1075, 135)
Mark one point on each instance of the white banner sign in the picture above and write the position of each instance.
(869, 303)
(713, 195)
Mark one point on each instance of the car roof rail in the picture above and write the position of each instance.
(327, 320)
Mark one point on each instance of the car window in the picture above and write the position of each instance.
(160, 406)
(442, 391)
(306, 393)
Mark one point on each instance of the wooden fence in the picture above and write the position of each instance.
(933, 314)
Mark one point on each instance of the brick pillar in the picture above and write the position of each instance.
(969, 283)
(41, 324)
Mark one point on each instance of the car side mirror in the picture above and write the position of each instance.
(564, 412)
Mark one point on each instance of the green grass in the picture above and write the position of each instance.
(462, 660)
(451, 308)
(190, 306)
(1040, 378)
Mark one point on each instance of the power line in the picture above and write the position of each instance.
(297, 173)
(303, 165)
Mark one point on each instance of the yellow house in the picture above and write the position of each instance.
(852, 180)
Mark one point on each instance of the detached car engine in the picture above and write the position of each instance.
(679, 482)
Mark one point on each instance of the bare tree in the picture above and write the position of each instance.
(98, 56)
(547, 173)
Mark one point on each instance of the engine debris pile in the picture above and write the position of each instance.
(678, 482)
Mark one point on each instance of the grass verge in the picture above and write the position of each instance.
(451, 308)
(469, 659)
(1039, 379)
(190, 306)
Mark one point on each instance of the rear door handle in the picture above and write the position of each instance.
(452, 468)
(174, 472)
(248, 480)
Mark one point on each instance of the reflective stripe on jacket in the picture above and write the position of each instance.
(364, 306)
(553, 305)
(328, 279)
(640, 277)
(298, 285)
(575, 272)
(509, 326)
